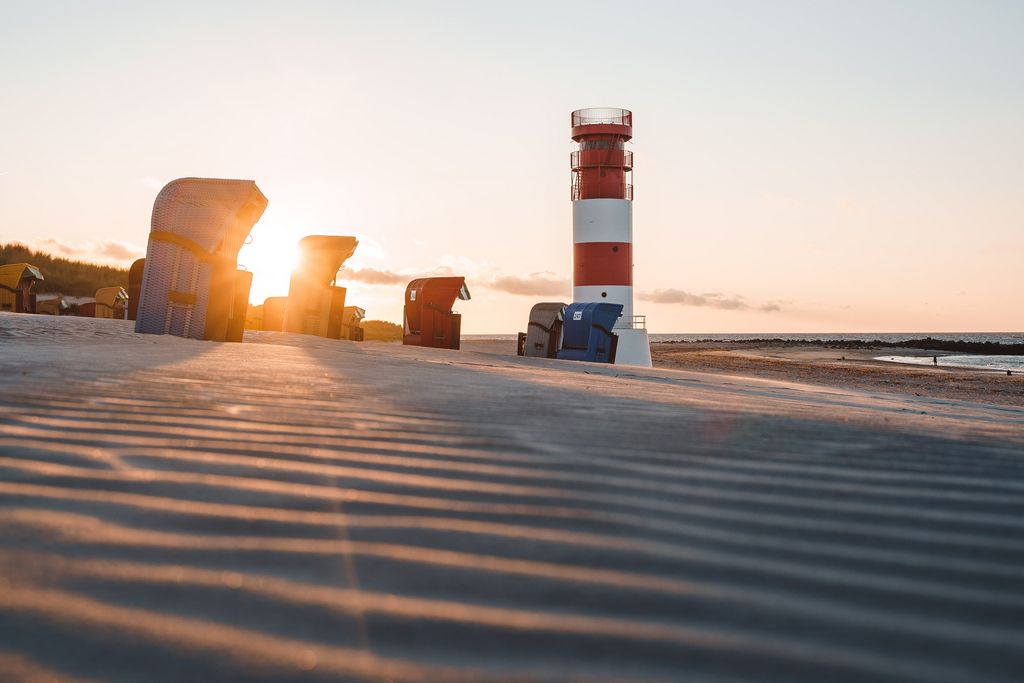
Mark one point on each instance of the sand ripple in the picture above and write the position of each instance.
(298, 509)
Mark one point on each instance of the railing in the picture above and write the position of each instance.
(575, 191)
(595, 115)
(612, 156)
(638, 322)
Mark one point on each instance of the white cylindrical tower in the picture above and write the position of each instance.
(602, 222)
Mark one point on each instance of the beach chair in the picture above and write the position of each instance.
(16, 282)
(428, 316)
(191, 285)
(273, 313)
(543, 335)
(587, 332)
(135, 287)
(53, 306)
(110, 302)
(315, 304)
(351, 323)
(254, 318)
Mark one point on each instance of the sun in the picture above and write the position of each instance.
(271, 255)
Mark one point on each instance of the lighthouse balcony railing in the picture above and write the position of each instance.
(636, 322)
(616, 158)
(602, 115)
(576, 192)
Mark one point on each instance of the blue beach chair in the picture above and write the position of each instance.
(587, 332)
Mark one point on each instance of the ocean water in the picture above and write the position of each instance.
(977, 362)
(997, 337)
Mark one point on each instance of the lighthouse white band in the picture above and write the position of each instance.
(602, 220)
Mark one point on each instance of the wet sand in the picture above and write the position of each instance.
(837, 368)
(850, 368)
(295, 508)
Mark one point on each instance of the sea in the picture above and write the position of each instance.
(976, 361)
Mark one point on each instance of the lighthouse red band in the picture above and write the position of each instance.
(602, 208)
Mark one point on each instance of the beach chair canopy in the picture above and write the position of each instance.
(14, 275)
(191, 276)
(587, 332)
(544, 331)
(321, 256)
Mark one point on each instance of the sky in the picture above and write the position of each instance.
(799, 166)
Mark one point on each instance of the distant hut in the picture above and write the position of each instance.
(16, 282)
(110, 302)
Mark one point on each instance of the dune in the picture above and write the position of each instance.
(296, 508)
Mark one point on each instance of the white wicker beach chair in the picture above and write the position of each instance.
(191, 283)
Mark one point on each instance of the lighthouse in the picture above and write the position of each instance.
(602, 223)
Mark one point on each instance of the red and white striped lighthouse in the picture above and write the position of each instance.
(602, 222)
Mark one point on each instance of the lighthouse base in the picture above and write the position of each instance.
(634, 348)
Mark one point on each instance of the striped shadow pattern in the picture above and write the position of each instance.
(306, 509)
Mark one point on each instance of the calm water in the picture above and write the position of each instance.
(1000, 337)
(1015, 363)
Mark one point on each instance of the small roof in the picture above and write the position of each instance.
(12, 274)
(440, 284)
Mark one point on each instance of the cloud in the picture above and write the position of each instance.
(104, 252)
(63, 248)
(374, 276)
(151, 182)
(706, 300)
(378, 276)
(122, 251)
(534, 284)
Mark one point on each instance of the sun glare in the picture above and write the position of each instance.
(271, 256)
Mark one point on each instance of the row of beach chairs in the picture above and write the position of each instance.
(190, 285)
(17, 281)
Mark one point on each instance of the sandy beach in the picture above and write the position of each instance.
(296, 508)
